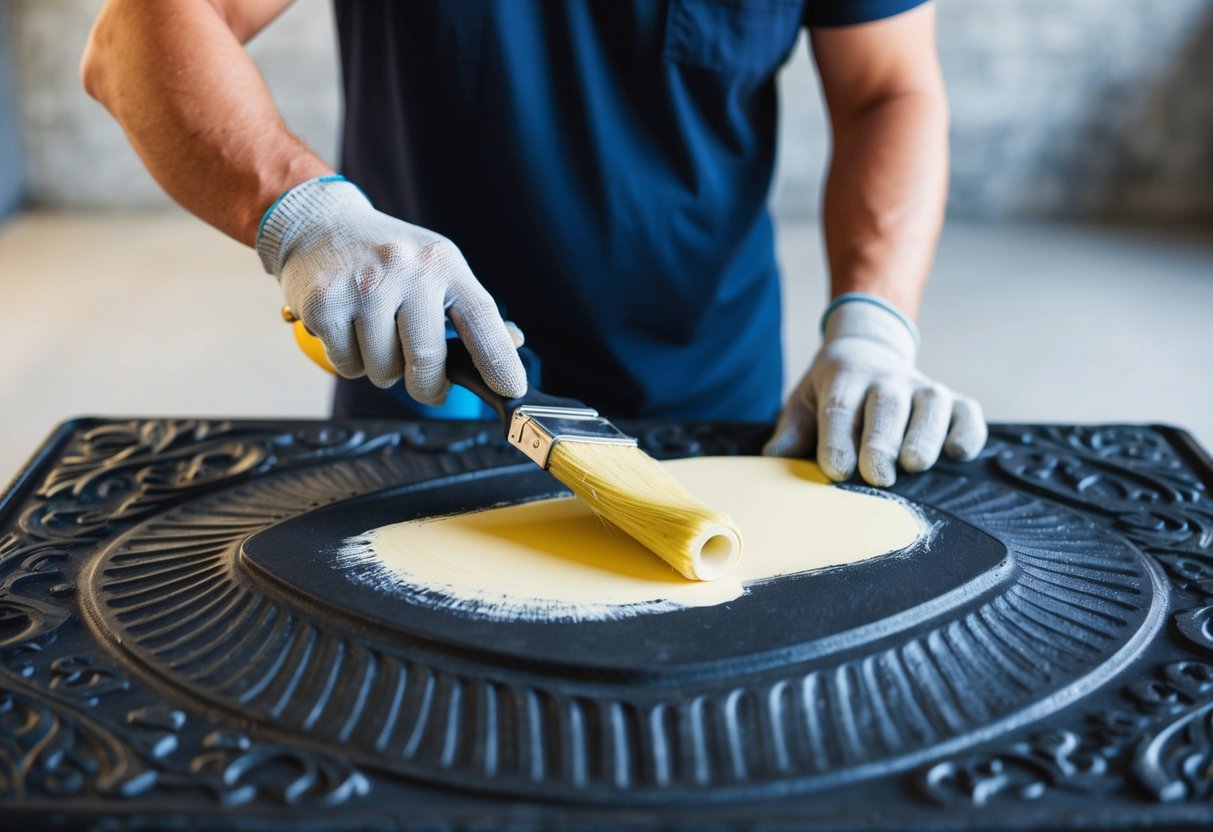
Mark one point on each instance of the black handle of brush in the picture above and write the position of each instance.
(461, 370)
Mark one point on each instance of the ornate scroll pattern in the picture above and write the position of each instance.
(1163, 738)
(123, 471)
(110, 476)
(116, 473)
(1136, 479)
(26, 619)
(186, 612)
(49, 749)
(1133, 476)
(1025, 770)
(234, 771)
(1174, 760)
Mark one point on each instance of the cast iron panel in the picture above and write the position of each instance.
(178, 647)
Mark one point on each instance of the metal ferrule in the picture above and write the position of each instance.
(536, 430)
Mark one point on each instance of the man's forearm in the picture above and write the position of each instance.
(176, 77)
(885, 197)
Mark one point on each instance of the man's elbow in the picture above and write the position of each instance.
(116, 26)
(91, 71)
(93, 61)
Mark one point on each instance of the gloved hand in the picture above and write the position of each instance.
(376, 290)
(863, 377)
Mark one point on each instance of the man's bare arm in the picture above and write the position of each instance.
(175, 75)
(883, 210)
(885, 196)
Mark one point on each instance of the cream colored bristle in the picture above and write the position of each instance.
(630, 489)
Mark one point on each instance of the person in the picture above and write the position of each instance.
(597, 170)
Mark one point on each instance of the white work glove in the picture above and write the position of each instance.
(376, 290)
(863, 379)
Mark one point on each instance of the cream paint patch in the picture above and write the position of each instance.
(555, 559)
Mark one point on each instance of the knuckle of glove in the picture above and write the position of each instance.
(933, 394)
(368, 279)
(326, 306)
(426, 362)
(396, 258)
(837, 407)
(885, 398)
(440, 255)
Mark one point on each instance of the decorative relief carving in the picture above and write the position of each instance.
(1075, 600)
(118, 472)
(1023, 771)
(74, 724)
(49, 750)
(156, 728)
(79, 677)
(26, 619)
(1133, 476)
(1175, 762)
(109, 476)
(234, 771)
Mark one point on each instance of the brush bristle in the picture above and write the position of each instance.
(630, 489)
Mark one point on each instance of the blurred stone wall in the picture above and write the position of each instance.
(1082, 109)
(78, 156)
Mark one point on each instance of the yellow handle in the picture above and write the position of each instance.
(312, 346)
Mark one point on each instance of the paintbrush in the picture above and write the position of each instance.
(603, 466)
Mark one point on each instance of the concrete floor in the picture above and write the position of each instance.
(156, 314)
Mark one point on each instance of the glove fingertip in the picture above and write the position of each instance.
(348, 371)
(510, 391)
(915, 460)
(964, 449)
(509, 381)
(877, 468)
(439, 398)
(430, 395)
(836, 463)
(384, 383)
(966, 445)
(793, 439)
(777, 445)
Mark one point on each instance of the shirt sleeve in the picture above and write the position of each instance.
(850, 12)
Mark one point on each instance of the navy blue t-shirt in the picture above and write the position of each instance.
(604, 166)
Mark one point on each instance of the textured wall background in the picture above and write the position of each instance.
(1076, 109)
(79, 157)
(1081, 109)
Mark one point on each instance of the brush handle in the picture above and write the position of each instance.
(461, 370)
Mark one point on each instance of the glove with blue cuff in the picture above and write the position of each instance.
(377, 291)
(863, 403)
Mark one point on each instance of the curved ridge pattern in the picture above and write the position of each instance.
(174, 595)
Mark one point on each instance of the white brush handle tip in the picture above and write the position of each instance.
(714, 552)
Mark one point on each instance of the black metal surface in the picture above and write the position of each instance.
(177, 649)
